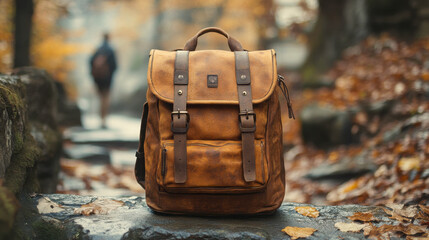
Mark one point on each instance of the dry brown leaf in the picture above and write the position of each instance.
(368, 228)
(417, 238)
(364, 217)
(307, 211)
(350, 227)
(395, 216)
(412, 229)
(383, 230)
(99, 206)
(409, 229)
(424, 209)
(298, 232)
(409, 212)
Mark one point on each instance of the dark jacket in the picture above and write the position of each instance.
(106, 49)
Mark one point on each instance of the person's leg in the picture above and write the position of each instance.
(104, 106)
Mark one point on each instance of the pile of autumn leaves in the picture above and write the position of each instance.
(412, 221)
(379, 70)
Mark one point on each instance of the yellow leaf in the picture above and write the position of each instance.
(307, 211)
(298, 232)
(409, 163)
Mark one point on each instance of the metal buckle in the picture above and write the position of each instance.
(247, 113)
(178, 113)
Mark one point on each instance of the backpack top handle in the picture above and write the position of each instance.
(234, 44)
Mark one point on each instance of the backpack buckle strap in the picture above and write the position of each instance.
(246, 116)
(178, 122)
(247, 120)
(180, 117)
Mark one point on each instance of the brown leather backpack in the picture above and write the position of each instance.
(211, 132)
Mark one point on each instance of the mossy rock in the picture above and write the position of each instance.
(21, 165)
(13, 119)
(23, 148)
(8, 208)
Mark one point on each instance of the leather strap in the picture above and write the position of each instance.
(139, 169)
(234, 44)
(179, 115)
(246, 116)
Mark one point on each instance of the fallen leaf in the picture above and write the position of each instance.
(307, 211)
(368, 228)
(409, 163)
(424, 209)
(412, 229)
(46, 205)
(383, 230)
(408, 212)
(364, 217)
(350, 227)
(99, 206)
(298, 232)
(417, 238)
(333, 157)
(395, 216)
(409, 229)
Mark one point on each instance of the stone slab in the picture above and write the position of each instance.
(134, 220)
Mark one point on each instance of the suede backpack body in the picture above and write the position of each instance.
(211, 132)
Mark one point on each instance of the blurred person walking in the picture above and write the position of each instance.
(103, 65)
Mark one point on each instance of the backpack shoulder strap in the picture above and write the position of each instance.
(139, 169)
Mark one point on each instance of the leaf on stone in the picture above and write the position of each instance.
(46, 205)
(396, 216)
(384, 230)
(407, 229)
(417, 238)
(307, 211)
(363, 217)
(412, 229)
(350, 227)
(368, 228)
(99, 206)
(409, 212)
(298, 232)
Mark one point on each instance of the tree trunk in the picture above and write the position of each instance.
(340, 23)
(23, 24)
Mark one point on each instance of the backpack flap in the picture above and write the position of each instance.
(212, 65)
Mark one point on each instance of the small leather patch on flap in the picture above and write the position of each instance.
(212, 81)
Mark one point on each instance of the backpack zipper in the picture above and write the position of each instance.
(163, 159)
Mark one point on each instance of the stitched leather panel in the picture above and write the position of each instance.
(262, 70)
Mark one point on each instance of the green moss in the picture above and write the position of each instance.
(16, 174)
(32, 182)
(11, 93)
(8, 209)
(18, 138)
(48, 231)
(11, 99)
